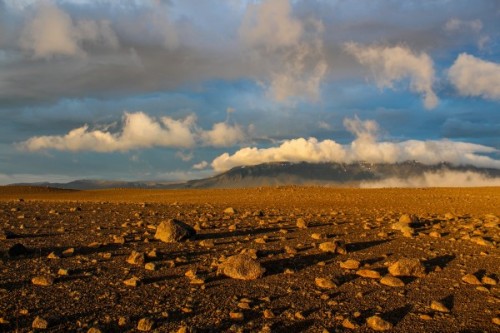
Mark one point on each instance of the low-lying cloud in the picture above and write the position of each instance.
(472, 76)
(140, 131)
(390, 64)
(437, 179)
(365, 147)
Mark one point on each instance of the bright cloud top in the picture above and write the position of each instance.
(475, 77)
(139, 131)
(364, 148)
(390, 64)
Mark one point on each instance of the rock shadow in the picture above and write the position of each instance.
(449, 301)
(358, 246)
(296, 263)
(441, 261)
(287, 327)
(396, 315)
(236, 233)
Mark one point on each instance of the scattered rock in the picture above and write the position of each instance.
(132, 282)
(145, 324)
(471, 279)
(489, 280)
(301, 223)
(368, 273)
(378, 324)
(39, 323)
(407, 267)
(481, 241)
(236, 315)
(336, 246)
(241, 267)
(230, 211)
(438, 306)
(53, 255)
(136, 258)
(172, 231)
(435, 234)
(392, 281)
(268, 314)
(496, 321)
(408, 218)
(68, 252)
(349, 264)
(346, 323)
(42, 280)
(150, 266)
(325, 283)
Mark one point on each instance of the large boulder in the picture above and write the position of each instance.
(172, 231)
(407, 267)
(241, 267)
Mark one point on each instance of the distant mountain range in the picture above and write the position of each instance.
(286, 173)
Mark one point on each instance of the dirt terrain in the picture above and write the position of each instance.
(67, 260)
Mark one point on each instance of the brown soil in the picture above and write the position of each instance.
(93, 294)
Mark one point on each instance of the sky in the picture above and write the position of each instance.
(184, 89)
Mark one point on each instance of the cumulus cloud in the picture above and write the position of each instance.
(437, 179)
(365, 147)
(292, 48)
(223, 135)
(52, 32)
(472, 76)
(141, 131)
(200, 166)
(390, 64)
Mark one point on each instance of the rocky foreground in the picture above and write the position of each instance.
(263, 260)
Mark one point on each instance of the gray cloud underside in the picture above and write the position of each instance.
(161, 46)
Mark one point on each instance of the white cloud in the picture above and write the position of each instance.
(437, 179)
(292, 49)
(52, 32)
(455, 24)
(390, 64)
(365, 147)
(200, 166)
(223, 135)
(472, 76)
(139, 131)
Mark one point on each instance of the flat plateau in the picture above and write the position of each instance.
(80, 242)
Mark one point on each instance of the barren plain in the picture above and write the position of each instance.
(335, 260)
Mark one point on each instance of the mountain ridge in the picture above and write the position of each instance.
(287, 173)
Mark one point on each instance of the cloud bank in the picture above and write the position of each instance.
(390, 64)
(437, 179)
(365, 147)
(472, 76)
(139, 131)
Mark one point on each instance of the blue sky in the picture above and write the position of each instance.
(177, 89)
